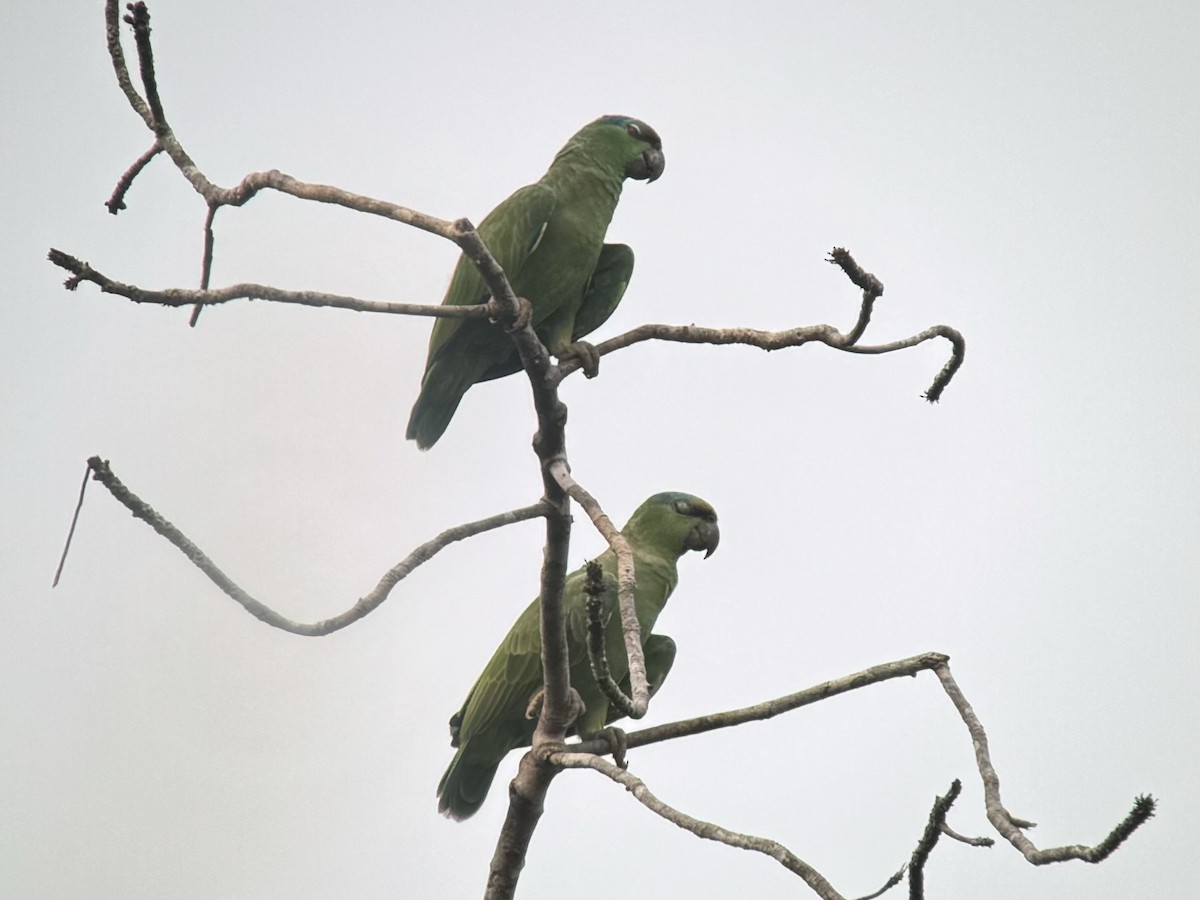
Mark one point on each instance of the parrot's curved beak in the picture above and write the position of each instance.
(705, 536)
(648, 166)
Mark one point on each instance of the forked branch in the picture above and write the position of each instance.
(587, 754)
(1011, 827)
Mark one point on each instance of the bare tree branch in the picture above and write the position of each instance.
(871, 286)
(894, 880)
(103, 473)
(206, 261)
(771, 708)
(778, 340)
(1009, 826)
(116, 202)
(969, 841)
(706, 830)
(177, 297)
(62, 560)
(636, 706)
(597, 653)
(112, 30)
(933, 830)
(796, 337)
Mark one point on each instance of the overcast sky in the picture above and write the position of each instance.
(1025, 172)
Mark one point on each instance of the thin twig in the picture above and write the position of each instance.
(969, 841)
(894, 880)
(206, 261)
(62, 560)
(103, 473)
(1009, 826)
(116, 202)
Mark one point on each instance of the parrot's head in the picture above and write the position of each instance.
(676, 523)
(625, 142)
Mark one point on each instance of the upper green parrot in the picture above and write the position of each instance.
(549, 239)
(493, 720)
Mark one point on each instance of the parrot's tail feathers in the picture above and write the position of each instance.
(434, 409)
(464, 787)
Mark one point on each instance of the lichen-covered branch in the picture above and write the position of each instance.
(116, 202)
(103, 473)
(635, 706)
(799, 336)
(83, 272)
(963, 839)
(929, 839)
(595, 589)
(771, 708)
(698, 827)
(778, 340)
(1009, 826)
(586, 754)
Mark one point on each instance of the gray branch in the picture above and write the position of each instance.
(635, 707)
(1011, 827)
(597, 652)
(929, 839)
(698, 827)
(177, 297)
(769, 709)
(364, 605)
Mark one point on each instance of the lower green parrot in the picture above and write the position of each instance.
(493, 719)
(549, 239)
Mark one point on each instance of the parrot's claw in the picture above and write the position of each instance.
(618, 743)
(588, 356)
(534, 708)
(523, 317)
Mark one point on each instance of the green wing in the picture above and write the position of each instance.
(492, 719)
(549, 238)
(511, 232)
(605, 289)
(462, 351)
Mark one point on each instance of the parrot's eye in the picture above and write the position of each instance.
(633, 130)
(683, 508)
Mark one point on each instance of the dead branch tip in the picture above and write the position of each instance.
(933, 830)
(840, 257)
(1144, 807)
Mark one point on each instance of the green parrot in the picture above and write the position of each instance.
(492, 720)
(549, 238)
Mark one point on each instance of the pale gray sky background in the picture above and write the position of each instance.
(1025, 172)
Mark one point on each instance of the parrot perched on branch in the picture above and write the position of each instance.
(549, 239)
(493, 718)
